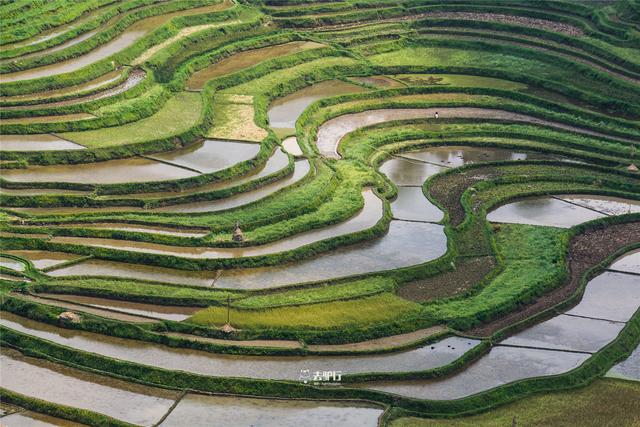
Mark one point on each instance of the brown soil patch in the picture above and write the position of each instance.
(585, 251)
(468, 272)
(542, 24)
(448, 190)
(237, 343)
(382, 343)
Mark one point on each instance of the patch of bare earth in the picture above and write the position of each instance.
(541, 24)
(381, 343)
(448, 189)
(468, 272)
(585, 251)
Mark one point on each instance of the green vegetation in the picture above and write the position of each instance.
(557, 80)
(178, 115)
(605, 402)
(380, 308)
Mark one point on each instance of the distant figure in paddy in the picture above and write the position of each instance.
(437, 115)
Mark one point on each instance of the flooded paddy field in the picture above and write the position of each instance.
(133, 79)
(333, 131)
(283, 112)
(43, 259)
(175, 313)
(209, 156)
(370, 214)
(562, 211)
(108, 172)
(452, 225)
(36, 142)
(302, 168)
(201, 411)
(103, 268)
(119, 399)
(242, 60)
(282, 367)
(125, 39)
(405, 244)
(552, 347)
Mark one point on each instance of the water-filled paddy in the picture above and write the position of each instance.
(414, 167)
(134, 169)
(403, 171)
(135, 77)
(79, 308)
(333, 131)
(12, 264)
(125, 39)
(54, 383)
(34, 419)
(629, 262)
(500, 366)
(604, 204)
(283, 112)
(44, 259)
(302, 167)
(210, 155)
(629, 368)
(95, 267)
(167, 312)
(406, 244)
(249, 58)
(203, 411)
(205, 157)
(370, 214)
(104, 81)
(543, 211)
(36, 142)
(611, 296)
(267, 367)
(413, 205)
(291, 145)
(456, 156)
(278, 161)
(568, 333)
(140, 229)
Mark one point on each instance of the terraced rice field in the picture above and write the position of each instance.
(336, 213)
